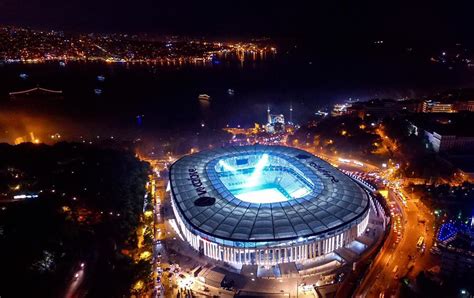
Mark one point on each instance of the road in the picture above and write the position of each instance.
(341, 161)
(412, 219)
(73, 286)
(158, 193)
(394, 259)
(400, 257)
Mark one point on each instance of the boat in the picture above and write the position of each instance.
(100, 78)
(23, 76)
(204, 97)
(230, 91)
(98, 91)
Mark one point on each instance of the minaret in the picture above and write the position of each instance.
(291, 113)
(269, 118)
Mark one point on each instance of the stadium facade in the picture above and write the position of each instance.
(265, 205)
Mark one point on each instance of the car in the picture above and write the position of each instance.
(182, 276)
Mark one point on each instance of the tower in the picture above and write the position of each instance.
(269, 118)
(291, 113)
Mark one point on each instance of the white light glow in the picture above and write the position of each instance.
(344, 160)
(300, 192)
(262, 196)
(249, 179)
(227, 166)
(257, 172)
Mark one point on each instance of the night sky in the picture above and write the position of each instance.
(429, 20)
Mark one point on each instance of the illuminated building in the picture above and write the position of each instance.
(19, 140)
(27, 138)
(430, 106)
(445, 142)
(412, 105)
(446, 132)
(265, 205)
(339, 109)
(275, 123)
(467, 105)
(374, 107)
(455, 245)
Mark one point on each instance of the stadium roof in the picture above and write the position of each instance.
(209, 207)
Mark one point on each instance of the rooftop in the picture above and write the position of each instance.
(238, 194)
(458, 124)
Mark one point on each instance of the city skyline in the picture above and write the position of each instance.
(320, 20)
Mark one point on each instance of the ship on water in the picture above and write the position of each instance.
(204, 97)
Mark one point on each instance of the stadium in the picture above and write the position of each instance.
(265, 205)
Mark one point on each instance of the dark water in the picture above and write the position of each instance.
(167, 95)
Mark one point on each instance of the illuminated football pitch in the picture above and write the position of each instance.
(263, 179)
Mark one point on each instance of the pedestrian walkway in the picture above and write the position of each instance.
(347, 254)
(367, 241)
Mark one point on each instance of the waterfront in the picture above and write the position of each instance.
(137, 100)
